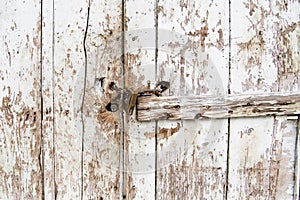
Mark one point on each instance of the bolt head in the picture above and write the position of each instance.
(114, 107)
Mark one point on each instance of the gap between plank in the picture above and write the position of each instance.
(83, 96)
(156, 79)
(42, 154)
(123, 120)
(229, 92)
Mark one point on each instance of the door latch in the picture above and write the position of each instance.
(130, 97)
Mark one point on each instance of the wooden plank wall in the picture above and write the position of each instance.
(59, 58)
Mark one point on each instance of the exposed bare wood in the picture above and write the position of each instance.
(251, 141)
(101, 166)
(191, 159)
(283, 160)
(267, 161)
(139, 182)
(69, 28)
(257, 47)
(192, 54)
(174, 108)
(21, 165)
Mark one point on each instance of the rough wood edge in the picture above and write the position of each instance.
(199, 107)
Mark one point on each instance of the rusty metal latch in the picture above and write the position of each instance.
(130, 97)
(132, 102)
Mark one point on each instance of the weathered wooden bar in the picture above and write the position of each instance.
(199, 107)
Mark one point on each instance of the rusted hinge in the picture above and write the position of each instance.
(129, 98)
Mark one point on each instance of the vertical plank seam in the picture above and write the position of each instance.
(122, 140)
(227, 160)
(229, 49)
(229, 92)
(156, 36)
(42, 156)
(296, 163)
(156, 164)
(53, 98)
(156, 77)
(83, 96)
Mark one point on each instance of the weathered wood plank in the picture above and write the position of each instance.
(252, 66)
(198, 107)
(282, 176)
(251, 72)
(48, 96)
(266, 169)
(264, 46)
(139, 182)
(255, 68)
(69, 29)
(20, 115)
(192, 55)
(192, 159)
(286, 29)
(250, 156)
(101, 129)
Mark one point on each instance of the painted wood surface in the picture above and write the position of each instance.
(173, 108)
(68, 62)
(257, 45)
(21, 161)
(59, 60)
(193, 57)
(139, 72)
(101, 130)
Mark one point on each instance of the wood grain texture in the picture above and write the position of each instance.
(283, 158)
(192, 159)
(264, 45)
(174, 108)
(20, 114)
(252, 67)
(193, 57)
(249, 173)
(266, 170)
(101, 129)
(285, 27)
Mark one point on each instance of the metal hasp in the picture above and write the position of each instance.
(130, 98)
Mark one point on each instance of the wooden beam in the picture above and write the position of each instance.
(199, 107)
